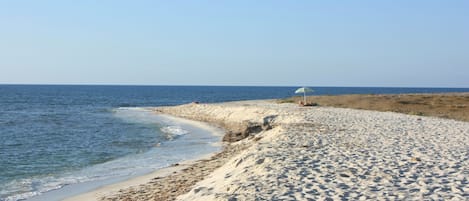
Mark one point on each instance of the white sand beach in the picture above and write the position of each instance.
(322, 153)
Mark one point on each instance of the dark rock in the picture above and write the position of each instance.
(231, 136)
(267, 122)
(344, 175)
(232, 199)
(197, 190)
(246, 129)
(260, 161)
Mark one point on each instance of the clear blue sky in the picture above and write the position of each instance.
(395, 43)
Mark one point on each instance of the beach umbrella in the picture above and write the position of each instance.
(304, 90)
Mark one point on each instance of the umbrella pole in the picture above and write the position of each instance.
(304, 97)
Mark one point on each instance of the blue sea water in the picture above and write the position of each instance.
(53, 135)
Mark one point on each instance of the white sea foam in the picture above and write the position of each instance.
(169, 152)
(174, 130)
(36, 186)
(99, 174)
(22, 196)
(143, 115)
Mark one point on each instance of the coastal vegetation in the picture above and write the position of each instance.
(449, 105)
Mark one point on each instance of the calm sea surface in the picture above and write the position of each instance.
(53, 136)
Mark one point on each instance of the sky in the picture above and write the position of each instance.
(388, 43)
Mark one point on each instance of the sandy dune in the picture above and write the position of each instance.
(317, 153)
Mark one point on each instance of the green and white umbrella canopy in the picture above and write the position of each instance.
(304, 90)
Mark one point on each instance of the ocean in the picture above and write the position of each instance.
(57, 136)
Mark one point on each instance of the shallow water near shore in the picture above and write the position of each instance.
(181, 141)
(186, 140)
(55, 137)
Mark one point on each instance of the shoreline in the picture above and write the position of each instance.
(274, 142)
(93, 190)
(174, 183)
(180, 180)
(132, 182)
(299, 153)
(180, 174)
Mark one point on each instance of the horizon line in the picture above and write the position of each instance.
(208, 85)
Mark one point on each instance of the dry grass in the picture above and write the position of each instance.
(450, 105)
